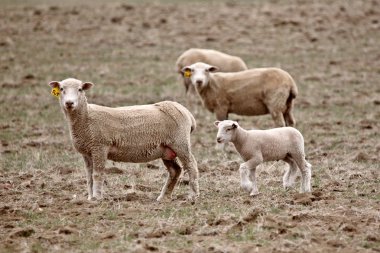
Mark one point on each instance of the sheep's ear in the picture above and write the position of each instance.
(185, 69)
(213, 69)
(216, 123)
(87, 85)
(54, 84)
(234, 125)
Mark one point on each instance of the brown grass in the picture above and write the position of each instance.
(331, 48)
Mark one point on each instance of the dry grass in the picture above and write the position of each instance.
(128, 51)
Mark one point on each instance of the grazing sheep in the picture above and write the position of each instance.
(128, 134)
(258, 146)
(251, 92)
(225, 62)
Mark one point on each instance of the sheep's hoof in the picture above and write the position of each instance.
(192, 198)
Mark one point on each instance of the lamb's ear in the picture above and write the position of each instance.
(87, 85)
(234, 125)
(216, 123)
(213, 69)
(54, 84)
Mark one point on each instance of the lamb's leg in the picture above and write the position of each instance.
(99, 157)
(190, 165)
(278, 118)
(88, 162)
(245, 183)
(290, 175)
(252, 176)
(174, 171)
(305, 169)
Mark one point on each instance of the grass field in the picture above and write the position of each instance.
(128, 51)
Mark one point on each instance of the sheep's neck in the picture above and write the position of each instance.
(239, 141)
(78, 121)
(209, 95)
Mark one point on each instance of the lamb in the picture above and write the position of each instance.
(258, 146)
(128, 134)
(251, 92)
(225, 62)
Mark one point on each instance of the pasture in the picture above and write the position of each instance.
(128, 50)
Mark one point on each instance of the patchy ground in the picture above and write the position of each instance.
(331, 48)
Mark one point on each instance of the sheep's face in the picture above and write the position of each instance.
(71, 93)
(199, 74)
(226, 130)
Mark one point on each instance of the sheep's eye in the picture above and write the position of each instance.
(228, 129)
(80, 89)
(61, 89)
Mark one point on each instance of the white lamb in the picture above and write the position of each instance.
(224, 62)
(251, 92)
(258, 146)
(128, 134)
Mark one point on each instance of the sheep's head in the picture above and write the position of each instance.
(226, 130)
(198, 73)
(71, 92)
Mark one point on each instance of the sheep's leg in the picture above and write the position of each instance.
(88, 163)
(221, 113)
(288, 115)
(99, 158)
(290, 175)
(190, 165)
(174, 171)
(278, 118)
(305, 169)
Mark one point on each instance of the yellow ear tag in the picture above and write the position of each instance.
(55, 92)
(187, 73)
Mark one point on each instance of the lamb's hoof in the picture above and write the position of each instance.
(247, 187)
(254, 194)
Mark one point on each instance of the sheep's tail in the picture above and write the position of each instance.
(193, 122)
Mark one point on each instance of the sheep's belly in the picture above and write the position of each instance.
(134, 155)
(249, 108)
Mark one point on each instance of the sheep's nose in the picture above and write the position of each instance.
(199, 82)
(69, 104)
(219, 140)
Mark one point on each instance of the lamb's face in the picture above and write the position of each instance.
(71, 92)
(198, 73)
(226, 130)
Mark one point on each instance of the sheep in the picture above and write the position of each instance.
(258, 146)
(225, 62)
(251, 92)
(134, 134)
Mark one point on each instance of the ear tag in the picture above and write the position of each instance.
(55, 92)
(187, 73)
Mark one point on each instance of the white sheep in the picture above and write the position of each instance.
(251, 92)
(258, 146)
(224, 62)
(128, 134)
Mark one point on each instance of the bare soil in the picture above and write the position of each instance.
(331, 48)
